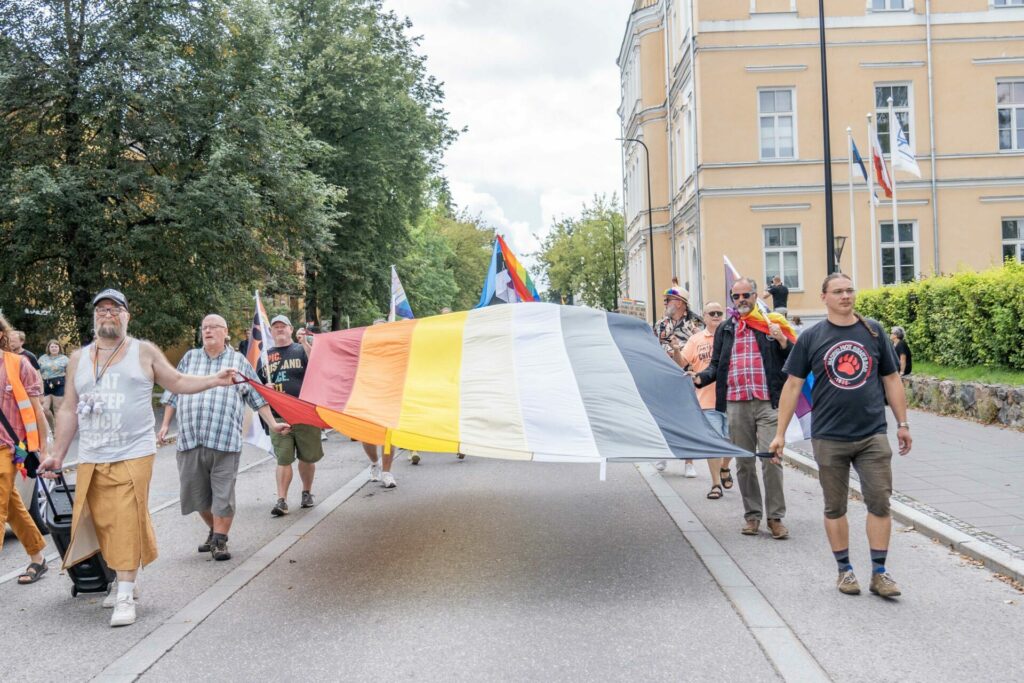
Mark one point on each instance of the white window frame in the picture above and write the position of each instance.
(1018, 243)
(753, 6)
(690, 136)
(796, 127)
(1016, 144)
(896, 110)
(1000, 4)
(799, 249)
(896, 245)
(908, 6)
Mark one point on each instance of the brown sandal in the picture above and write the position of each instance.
(33, 573)
(726, 477)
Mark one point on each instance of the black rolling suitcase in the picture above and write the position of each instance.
(89, 576)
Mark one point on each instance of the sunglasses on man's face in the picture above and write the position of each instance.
(715, 314)
(742, 295)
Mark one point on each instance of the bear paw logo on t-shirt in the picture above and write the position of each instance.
(848, 365)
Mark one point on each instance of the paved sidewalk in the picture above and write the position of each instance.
(971, 474)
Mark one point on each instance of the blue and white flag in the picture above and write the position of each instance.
(399, 304)
(905, 159)
(863, 169)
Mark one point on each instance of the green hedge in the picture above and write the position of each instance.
(960, 320)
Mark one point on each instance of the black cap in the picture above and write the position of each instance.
(112, 294)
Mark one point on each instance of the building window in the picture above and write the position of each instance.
(782, 254)
(1010, 107)
(776, 110)
(1013, 239)
(883, 5)
(1009, 3)
(901, 106)
(899, 253)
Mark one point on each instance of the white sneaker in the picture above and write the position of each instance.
(660, 465)
(323, 435)
(389, 481)
(124, 611)
(111, 598)
(374, 472)
(689, 471)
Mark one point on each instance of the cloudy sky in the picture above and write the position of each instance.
(536, 84)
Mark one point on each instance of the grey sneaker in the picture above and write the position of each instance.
(307, 499)
(205, 547)
(883, 585)
(220, 549)
(280, 508)
(847, 583)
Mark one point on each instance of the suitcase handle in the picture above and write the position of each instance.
(46, 491)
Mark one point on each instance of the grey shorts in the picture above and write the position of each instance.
(871, 457)
(207, 479)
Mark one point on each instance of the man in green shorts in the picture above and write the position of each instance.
(286, 368)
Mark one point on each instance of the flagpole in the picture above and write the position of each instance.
(871, 210)
(853, 214)
(892, 179)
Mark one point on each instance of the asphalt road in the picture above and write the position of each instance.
(492, 570)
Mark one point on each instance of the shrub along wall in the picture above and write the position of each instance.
(958, 320)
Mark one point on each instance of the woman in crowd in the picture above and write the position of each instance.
(52, 366)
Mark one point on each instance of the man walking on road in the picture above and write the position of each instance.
(673, 331)
(286, 370)
(855, 370)
(210, 434)
(746, 366)
(110, 406)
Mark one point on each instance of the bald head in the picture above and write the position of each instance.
(215, 334)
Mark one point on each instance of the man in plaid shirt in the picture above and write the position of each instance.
(210, 434)
(746, 366)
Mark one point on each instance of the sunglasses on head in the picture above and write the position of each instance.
(742, 295)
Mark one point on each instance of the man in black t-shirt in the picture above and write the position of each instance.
(285, 371)
(855, 370)
(779, 294)
(17, 342)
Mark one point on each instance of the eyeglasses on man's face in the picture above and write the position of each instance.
(209, 328)
(736, 296)
(108, 311)
(849, 291)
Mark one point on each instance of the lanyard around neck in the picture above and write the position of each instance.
(97, 371)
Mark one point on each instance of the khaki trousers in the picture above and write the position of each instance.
(752, 426)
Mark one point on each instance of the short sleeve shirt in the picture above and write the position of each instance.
(848, 363)
(697, 353)
(780, 295)
(53, 367)
(669, 330)
(33, 384)
(287, 368)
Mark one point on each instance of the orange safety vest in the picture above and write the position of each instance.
(12, 362)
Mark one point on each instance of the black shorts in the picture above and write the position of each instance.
(54, 387)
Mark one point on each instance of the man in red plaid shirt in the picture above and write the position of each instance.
(746, 366)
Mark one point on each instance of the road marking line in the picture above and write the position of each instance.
(148, 651)
(783, 648)
(152, 511)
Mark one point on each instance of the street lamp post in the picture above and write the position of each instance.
(615, 271)
(829, 226)
(650, 224)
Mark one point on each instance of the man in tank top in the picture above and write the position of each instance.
(109, 405)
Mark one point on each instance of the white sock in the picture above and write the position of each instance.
(125, 588)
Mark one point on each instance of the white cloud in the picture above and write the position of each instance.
(535, 81)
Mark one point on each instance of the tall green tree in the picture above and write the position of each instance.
(583, 256)
(149, 146)
(366, 96)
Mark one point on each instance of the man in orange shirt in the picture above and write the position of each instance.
(695, 357)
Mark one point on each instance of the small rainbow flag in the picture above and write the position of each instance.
(507, 280)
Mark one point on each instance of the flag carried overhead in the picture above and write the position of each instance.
(259, 335)
(507, 280)
(905, 158)
(399, 303)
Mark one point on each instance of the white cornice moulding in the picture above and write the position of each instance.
(998, 199)
(997, 60)
(780, 207)
(775, 68)
(891, 65)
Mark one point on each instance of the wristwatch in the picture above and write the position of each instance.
(904, 424)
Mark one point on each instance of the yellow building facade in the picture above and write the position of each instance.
(729, 103)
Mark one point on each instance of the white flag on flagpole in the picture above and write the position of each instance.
(904, 159)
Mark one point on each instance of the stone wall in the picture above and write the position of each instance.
(988, 403)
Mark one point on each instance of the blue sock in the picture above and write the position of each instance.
(843, 559)
(878, 560)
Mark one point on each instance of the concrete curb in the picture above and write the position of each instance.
(995, 559)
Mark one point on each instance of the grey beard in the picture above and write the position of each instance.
(108, 332)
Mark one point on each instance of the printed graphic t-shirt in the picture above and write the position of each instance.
(287, 365)
(848, 364)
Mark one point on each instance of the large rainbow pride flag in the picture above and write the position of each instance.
(542, 382)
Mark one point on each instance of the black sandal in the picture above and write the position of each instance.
(33, 573)
(726, 477)
(715, 493)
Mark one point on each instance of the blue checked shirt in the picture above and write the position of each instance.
(213, 418)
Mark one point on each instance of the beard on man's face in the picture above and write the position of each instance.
(109, 329)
